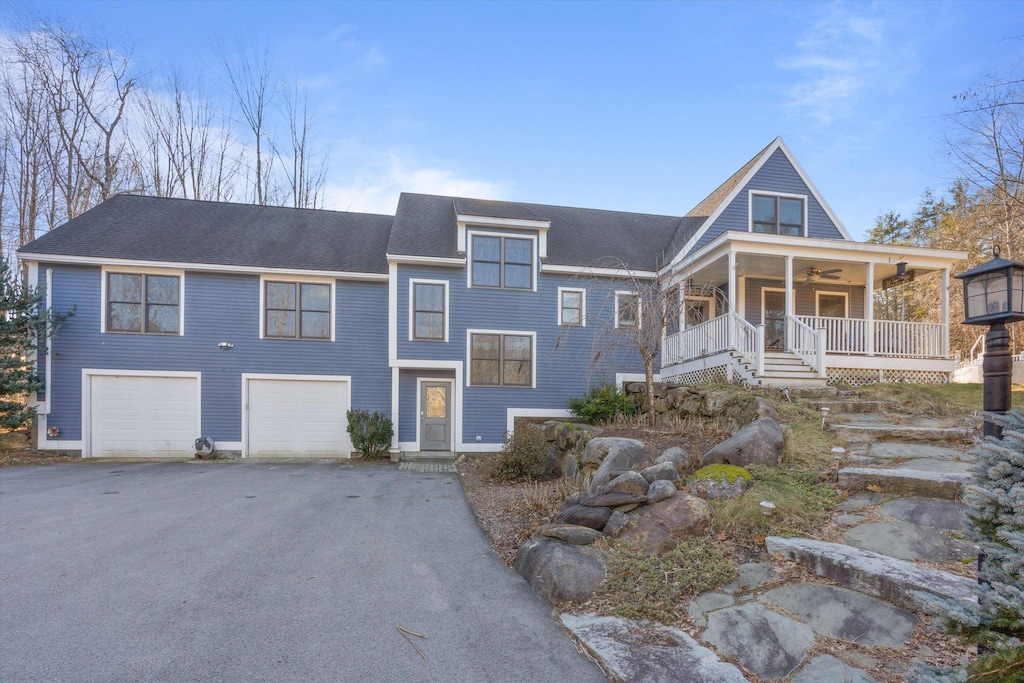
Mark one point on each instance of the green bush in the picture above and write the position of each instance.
(371, 432)
(526, 455)
(602, 403)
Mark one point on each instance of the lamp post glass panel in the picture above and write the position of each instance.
(994, 296)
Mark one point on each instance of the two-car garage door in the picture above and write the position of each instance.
(158, 415)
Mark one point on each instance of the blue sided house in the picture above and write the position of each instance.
(260, 326)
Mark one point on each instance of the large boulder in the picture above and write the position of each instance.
(559, 571)
(656, 529)
(675, 455)
(593, 517)
(570, 533)
(719, 482)
(660, 490)
(622, 456)
(663, 470)
(759, 443)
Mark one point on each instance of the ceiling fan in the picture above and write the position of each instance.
(814, 274)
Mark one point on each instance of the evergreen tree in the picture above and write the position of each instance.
(25, 324)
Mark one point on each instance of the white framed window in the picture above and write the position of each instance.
(628, 310)
(428, 310)
(501, 358)
(501, 261)
(297, 308)
(698, 309)
(572, 307)
(832, 304)
(778, 213)
(143, 301)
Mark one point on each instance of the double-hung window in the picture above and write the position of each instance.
(627, 309)
(143, 303)
(572, 307)
(502, 262)
(500, 360)
(296, 310)
(777, 215)
(428, 303)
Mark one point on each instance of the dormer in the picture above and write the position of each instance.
(502, 251)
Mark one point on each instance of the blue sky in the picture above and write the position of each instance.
(630, 106)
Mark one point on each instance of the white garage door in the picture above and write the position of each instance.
(143, 416)
(298, 418)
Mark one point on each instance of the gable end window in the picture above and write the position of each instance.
(502, 262)
(500, 360)
(572, 307)
(143, 303)
(777, 215)
(627, 309)
(428, 304)
(296, 310)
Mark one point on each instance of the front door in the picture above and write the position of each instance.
(435, 416)
(773, 314)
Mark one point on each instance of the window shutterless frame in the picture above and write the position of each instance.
(628, 310)
(142, 303)
(297, 309)
(428, 310)
(499, 261)
(572, 307)
(501, 359)
(778, 214)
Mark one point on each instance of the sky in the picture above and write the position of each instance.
(633, 106)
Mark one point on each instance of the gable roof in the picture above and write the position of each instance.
(425, 225)
(188, 231)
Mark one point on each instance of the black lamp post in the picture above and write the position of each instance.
(994, 296)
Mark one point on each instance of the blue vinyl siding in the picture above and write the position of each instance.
(776, 175)
(218, 307)
(805, 297)
(564, 366)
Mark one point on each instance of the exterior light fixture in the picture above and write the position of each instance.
(825, 410)
(767, 508)
(225, 345)
(994, 296)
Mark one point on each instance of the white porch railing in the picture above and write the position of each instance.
(727, 332)
(891, 337)
(808, 343)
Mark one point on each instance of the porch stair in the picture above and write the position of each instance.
(784, 369)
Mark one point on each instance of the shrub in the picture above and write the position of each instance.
(526, 455)
(654, 587)
(371, 432)
(602, 403)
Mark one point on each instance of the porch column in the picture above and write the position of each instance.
(869, 309)
(945, 313)
(789, 302)
(732, 282)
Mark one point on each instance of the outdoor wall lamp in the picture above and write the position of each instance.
(994, 296)
(225, 345)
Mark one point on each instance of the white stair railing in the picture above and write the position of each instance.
(808, 343)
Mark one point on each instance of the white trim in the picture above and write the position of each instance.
(804, 228)
(426, 260)
(622, 378)
(769, 289)
(206, 267)
(817, 301)
(447, 307)
(598, 272)
(138, 270)
(513, 413)
(473, 447)
(712, 310)
(534, 260)
(464, 223)
(741, 296)
(246, 376)
(392, 312)
(419, 408)
(89, 373)
(395, 406)
(583, 305)
(776, 144)
(639, 309)
(45, 443)
(516, 333)
(228, 445)
(297, 280)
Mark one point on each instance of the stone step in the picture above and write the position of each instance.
(905, 482)
(898, 581)
(866, 433)
(850, 406)
(791, 382)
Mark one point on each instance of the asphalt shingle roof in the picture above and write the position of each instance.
(185, 231)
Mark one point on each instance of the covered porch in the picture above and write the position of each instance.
(767, 308)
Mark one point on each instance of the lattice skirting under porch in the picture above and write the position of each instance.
(858, 377)
(702, 376)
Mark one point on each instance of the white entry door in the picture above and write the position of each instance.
(142, 415)
(290, 417)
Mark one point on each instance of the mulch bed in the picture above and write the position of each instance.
(30, 457)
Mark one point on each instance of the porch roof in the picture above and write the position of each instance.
(822, 251)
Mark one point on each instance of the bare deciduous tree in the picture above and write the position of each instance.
(305, 167)
(253, 90)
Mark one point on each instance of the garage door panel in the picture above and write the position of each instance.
(143, 416)
(297, 418)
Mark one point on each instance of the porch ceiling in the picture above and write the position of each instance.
(774, 268)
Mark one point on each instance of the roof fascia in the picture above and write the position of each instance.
(205, 267)
(598, 272)
(466, 221)
(447, 261)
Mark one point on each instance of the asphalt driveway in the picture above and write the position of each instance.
(260, 572)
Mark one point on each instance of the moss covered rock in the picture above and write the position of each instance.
(719, 481)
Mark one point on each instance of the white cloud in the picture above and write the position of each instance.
(851, 49)
(377, 191)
